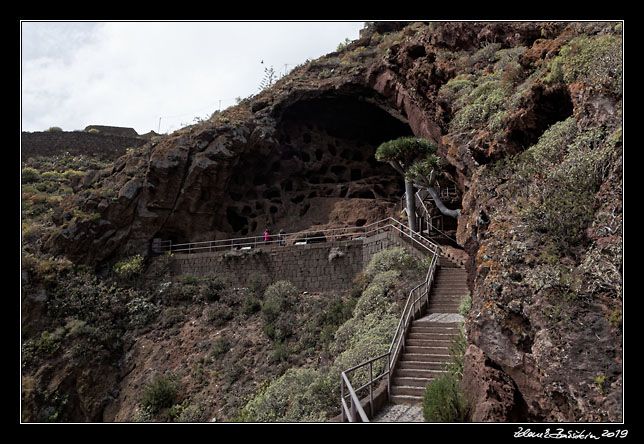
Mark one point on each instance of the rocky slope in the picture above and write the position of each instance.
(527, 119)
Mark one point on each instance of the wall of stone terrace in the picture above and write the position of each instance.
(317, 267)
(49, 143)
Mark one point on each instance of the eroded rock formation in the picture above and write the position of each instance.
(544, 331)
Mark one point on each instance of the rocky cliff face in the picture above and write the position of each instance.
(527, 118)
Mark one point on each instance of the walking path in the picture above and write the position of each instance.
(427, 346)
(400, 413)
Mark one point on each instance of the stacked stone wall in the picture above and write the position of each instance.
(49, 143)
(323, 267)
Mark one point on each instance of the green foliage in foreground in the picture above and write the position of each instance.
(444, 400)
(312, 395)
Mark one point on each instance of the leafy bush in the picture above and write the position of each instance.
(290, 397)
(312, 395)
(220, 346)
(562, 173)
(218, 313)
(129, 268)
(159, 394)
(214, 287)
(443, 400)
(141, 311)
(279, 299)
(593, 59)
(30, 175)
(392, 259)
(481, 104)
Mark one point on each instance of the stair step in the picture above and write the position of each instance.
(420, 334)
(428, 342)
(454, 304)
(417, 327)
(456, 271)
(424, 357)
(406, 399)
(419, 373)
(420, 365)
(411, 381)
(441, 287)
(421, 339)
(445, 285)
(442, 310)
(426, 350)
(407, 390)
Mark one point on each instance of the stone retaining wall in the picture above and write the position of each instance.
(329, 266)
(49, 143)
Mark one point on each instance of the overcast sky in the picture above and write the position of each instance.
(156, 75)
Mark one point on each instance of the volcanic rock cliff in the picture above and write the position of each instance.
(527, 120)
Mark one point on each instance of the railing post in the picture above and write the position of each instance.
(343, 417)
(371, 387)
(389, 377)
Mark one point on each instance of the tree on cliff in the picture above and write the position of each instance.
(416, 160)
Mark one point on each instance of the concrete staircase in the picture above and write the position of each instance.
(426, 349)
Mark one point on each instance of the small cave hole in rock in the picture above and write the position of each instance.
(338, 170)
(237, 222)
(548, 108)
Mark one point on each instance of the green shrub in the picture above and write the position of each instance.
(279, 319)
(257, 284)
(129, 268)
(443, 400)
(220, 346)
(593, 59)
(30, 175)
(396, 258)
(141, 311)
(288, 398)
(562, 173)
(481, 105)
(218, 313)
(159, 394)
(214, 288)
(251, 305)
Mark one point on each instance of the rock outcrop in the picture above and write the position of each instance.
(516, 110)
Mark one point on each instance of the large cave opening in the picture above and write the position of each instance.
(325, 154)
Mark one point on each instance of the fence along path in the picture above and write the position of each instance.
(419, 349)
(300, 238)
(417, 302)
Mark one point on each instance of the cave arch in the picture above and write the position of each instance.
(335, 137)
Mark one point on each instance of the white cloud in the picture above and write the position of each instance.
(133, 73)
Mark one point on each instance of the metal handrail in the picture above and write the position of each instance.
(303, 237)
(349, 412)
(397, 343)
(389, 223)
